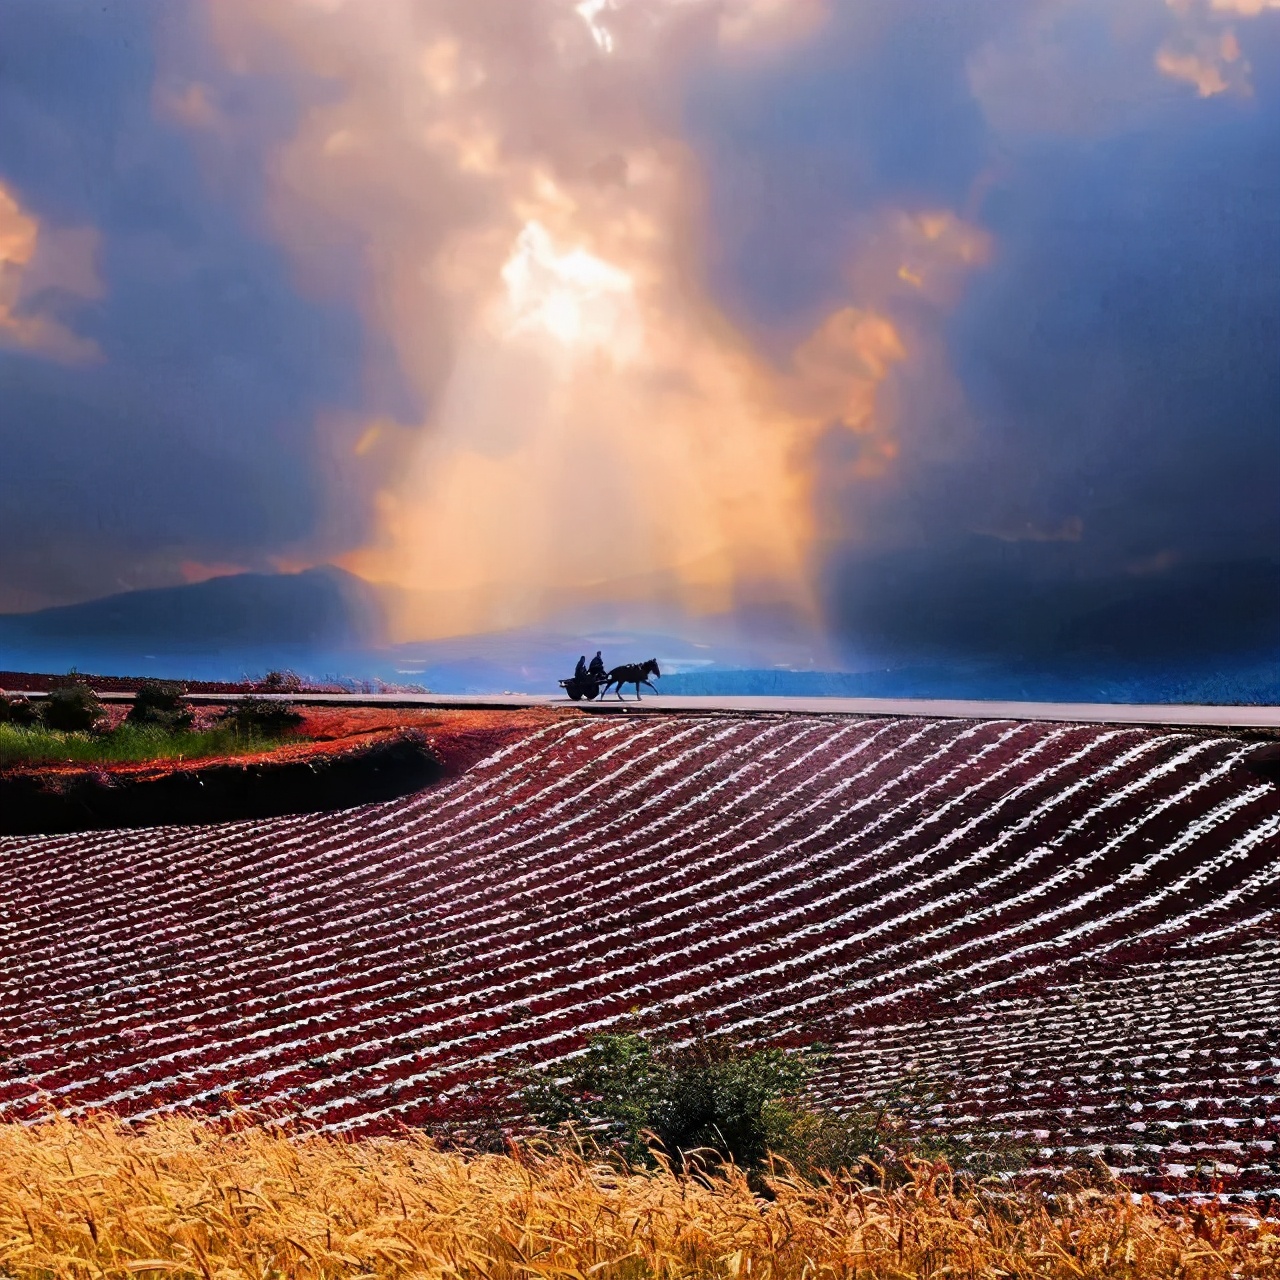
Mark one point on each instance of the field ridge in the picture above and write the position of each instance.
(914, 893)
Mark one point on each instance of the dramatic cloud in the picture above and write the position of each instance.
(1206, 54)
(594, 428)
(1091, 415)
(37, 266)
(161, 375)
(644, 309)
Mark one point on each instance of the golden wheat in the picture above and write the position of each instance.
(178, 1199)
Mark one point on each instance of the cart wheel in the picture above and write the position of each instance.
(575, 693)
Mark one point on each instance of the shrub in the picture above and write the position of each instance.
(161, 705)
(252, 717)
(711, 1097)
(280, 682)
(74, 708)
(18, 711)
(726, 1101)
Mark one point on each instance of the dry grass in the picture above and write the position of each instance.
(178, 1199)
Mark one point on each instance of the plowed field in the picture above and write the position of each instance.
(1076, 922)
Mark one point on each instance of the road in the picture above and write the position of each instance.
(1243, 717)
(932, 708)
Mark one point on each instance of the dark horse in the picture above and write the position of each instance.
(636, 673)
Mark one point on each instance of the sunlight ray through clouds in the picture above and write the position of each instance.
(595, 426)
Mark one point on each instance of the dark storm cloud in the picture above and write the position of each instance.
(191, 437)
(1104, 476)
(1075, 441)
(804, 151)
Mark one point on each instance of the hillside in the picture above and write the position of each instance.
(1074, 924)
(253, 617)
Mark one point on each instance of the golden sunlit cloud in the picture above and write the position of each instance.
(840, 370)
(1245, 8)
(1206, 55)
(578, 299)
(1035, 76)
(596, 430)
(930, 252)
(737, 23)
(34, 259)
(1211, 63)
(591, 440)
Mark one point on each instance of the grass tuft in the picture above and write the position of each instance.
(178, 1199)
(125, 744)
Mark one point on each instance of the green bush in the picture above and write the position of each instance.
(251, 717)
(73, 708)
(19, 711)
(710, 1097)
(161, 705)
(724, 1101)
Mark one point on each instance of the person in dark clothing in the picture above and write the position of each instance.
(596, 669)
(580, 671)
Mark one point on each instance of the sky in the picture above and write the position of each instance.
(918, 326)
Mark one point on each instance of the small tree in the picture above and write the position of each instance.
(712, 1096)
(74, 708)
(161, 705)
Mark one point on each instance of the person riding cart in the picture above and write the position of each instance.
(587, 679)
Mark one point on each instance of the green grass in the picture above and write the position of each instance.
(125, 744)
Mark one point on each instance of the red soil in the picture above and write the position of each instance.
(1073, 928)
(307, 777)
(458, 738)
(344, 756)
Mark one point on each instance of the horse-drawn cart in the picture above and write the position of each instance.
(590, 685)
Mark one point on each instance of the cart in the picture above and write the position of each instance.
(582, 687)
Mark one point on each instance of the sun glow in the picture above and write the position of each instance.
(577, 298)
(597, 437)
(590, 11)
(589, 446)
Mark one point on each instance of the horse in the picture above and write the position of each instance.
(636, 673)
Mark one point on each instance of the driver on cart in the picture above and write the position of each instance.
(596, 670)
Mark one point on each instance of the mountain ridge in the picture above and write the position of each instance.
(324, 609)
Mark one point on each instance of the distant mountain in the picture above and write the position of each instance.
(249, 617)
(1022, 603)
(322, 623)
(326, 622)
(1247, 679)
